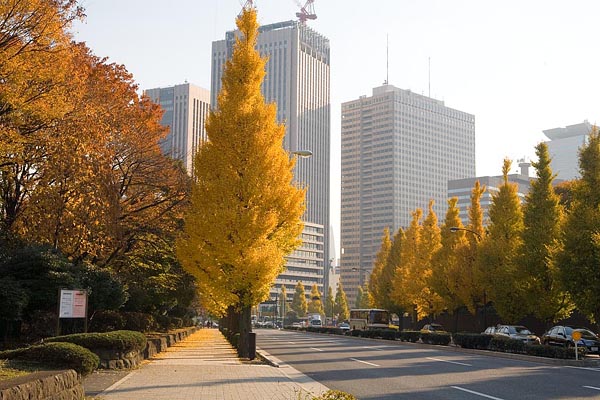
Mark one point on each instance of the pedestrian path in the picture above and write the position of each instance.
(205, 366)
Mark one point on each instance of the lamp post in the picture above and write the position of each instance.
(478, 236)
(302, 153)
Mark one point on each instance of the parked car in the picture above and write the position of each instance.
(433, 328)
(518, 332)
(563, 336)
(344, 326)
(296, 325)
(490, 330)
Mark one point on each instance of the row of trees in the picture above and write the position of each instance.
(81, 171)
(539, 257)
(334, 305)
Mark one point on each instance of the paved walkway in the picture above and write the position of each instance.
(204, 366)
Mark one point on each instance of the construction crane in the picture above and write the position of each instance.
(306, 11)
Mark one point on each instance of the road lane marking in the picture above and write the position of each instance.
(476, 393)
(292, 342)
(372, 348)
(314, 348)
(365, 362)
(451, 362)
(591, 387)
(586, 368)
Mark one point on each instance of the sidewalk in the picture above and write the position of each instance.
(203, 366)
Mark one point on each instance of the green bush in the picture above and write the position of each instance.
(472, 340)
(507, 345)
(436, 338)
(552, 351)
(235, 340)
(59, 355)
(141, 322)
(118, 340)
(106, 321)
(409, 336)
(335, 395)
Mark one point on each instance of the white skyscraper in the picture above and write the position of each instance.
(185, 108)
(297, 80)
(399, 150)
(563, 148)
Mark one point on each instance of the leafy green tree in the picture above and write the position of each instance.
(363, 298)
(341, 304)
(498, 263)
(299, 304)
(329, 302)
(245, 215)
(578, 260)
(378, 286)
(542, 217)
(315, 305)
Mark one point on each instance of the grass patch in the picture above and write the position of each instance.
(13, 368)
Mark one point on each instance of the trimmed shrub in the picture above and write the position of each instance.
(141, 322)
(409, 336)
(118, 340)
(60, 355)
(552, 351)
(507, 345)
(472, 340)
(106, 321)
(436, 338)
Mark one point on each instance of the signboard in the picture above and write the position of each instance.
(73, 304)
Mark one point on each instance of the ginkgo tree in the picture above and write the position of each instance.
(245, 207)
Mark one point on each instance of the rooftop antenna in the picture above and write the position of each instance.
(307, 11)
(387, 59)
(429, 77)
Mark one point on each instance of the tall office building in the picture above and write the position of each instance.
(399, 150)
(185, 109)
(297, 80)
(563, 148)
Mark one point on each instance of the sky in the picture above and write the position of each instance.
(520, 66)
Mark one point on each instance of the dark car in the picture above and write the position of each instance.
(432, 328)
(563, 336)
(517, 332)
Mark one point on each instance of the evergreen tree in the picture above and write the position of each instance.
(542, 217)
(341, 304)
(498, 262)
(579, 259)
(315, 305)
(245, 209)
(299, 304)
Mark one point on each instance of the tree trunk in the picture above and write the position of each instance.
(245, 328)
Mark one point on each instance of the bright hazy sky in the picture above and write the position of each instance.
(520, 66)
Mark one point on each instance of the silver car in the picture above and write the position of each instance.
(517, 332)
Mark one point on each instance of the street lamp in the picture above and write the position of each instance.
(303, 153)
(478, 236)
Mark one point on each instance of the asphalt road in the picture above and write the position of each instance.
(371, 369)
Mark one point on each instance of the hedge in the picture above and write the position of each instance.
(409, 336)
(472, 340)
(118, 340)
(436, 338)
(60, 355)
